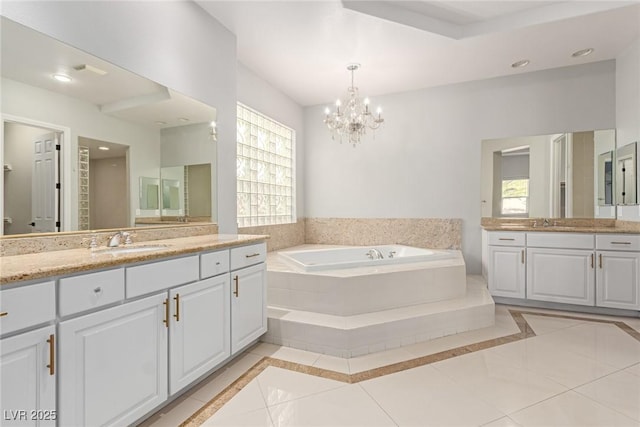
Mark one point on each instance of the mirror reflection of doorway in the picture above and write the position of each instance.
(31, 179)
(103, 196)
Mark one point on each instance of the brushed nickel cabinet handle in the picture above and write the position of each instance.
(52, 355)
(177, 300)
(252, 255)
(504, 238)
(620, 243)
(237, 280)
(166, 312)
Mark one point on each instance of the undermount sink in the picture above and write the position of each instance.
(129, 249)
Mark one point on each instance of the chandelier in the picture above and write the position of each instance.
(352, 120)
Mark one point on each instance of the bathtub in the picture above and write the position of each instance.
(359, 256)
(344, 281)
(336, 300)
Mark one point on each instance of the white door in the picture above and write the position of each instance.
(28, 380)
(248, 307)
(199, 331)
(113, 364)
(44, 195)
(618, 280)
(561, 275)
(506, 272)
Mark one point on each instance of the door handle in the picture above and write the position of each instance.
(177, 300)
(52, 355)
(237, 280)
(522, 257)
(166, 312)
(600, 260)
(591, 260)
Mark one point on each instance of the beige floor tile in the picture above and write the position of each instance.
(174, 414)
(543, 324)
(635, 369)
(619, 391)
(376, 360)
(257, 418)
(247, 400)
(285, 353)
(502, 422)
(344, 406)
(571, 409)
(332, 363)
(281, 385)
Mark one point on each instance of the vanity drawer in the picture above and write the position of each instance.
(506, 238)
(560, 240)
(87, 291)
(618, 242)
(156, 276)
(245, 256)
(27, 306)
(214, 263)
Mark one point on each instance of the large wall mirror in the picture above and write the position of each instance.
(84, 142)
(565, 175)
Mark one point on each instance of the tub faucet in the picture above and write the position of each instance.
(375, 254)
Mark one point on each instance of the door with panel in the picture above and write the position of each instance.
(248, 308)
(199, 331)
(618, 280)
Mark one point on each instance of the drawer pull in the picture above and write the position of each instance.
(177, 300)
(504, 238)
(253, 255)
(237, 280)
(620, 243)
(4, 313)
(600, 260)
(166, 312)
(52, 355)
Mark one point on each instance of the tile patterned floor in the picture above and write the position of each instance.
(533, 368)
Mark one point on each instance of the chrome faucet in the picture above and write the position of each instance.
(116, 239)
(374, 254)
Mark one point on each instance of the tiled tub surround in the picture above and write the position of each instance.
(282, 235)
(354, 311)
(429, 233)
(36, 243)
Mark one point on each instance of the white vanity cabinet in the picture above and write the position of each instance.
(28, 358)
(113, 364)
(200, 327)
(28, 372)
(618, 271)
(506, 269)
(560, 267)
(248, 299)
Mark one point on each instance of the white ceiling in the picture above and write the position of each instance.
(303, 47)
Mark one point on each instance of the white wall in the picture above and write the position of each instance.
(425, 161)
(85, 120)
(258, 94)
(176, 44)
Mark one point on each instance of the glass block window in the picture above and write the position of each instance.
(265, 170)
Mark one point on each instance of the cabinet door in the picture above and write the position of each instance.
(199, 331)
(28, 382)
(617, 280)
(248, 305)
(561, 275)
(113, 364)
(506, 271)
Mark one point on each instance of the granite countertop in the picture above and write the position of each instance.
(31, 266)
(563, 229)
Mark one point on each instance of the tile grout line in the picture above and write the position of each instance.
(211, 407)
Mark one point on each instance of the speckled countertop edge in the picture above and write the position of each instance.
(27, 267)
(561, 229)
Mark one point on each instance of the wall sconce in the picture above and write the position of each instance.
(214, 131)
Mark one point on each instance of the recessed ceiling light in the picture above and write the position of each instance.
(520, 64)
(183, 119)
(62, 78)
(582, 52)
(103, 148)
(161, 123)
